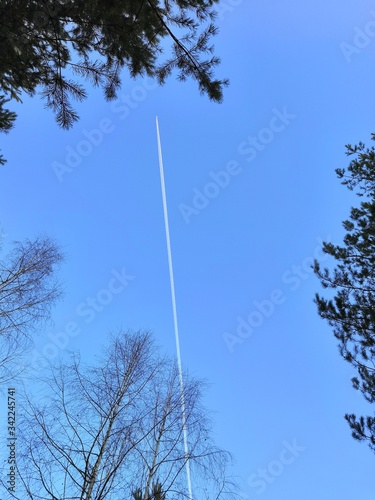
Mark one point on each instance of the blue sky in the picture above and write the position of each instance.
(252, 192)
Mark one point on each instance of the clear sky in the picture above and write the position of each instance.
(252, 192)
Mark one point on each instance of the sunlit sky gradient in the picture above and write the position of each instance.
(252, 192)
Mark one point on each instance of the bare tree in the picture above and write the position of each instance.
(28, 290)
(114, 431)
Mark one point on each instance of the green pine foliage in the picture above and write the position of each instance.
(7, 118)
(156, 493)
(351, 311)
(54, 45)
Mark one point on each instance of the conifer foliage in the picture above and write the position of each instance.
(53, 44)
(351, 309)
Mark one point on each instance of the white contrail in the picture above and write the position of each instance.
(171, 278)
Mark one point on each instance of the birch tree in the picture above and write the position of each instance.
(28, 290)
(113, 430)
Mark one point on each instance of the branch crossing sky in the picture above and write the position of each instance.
(252, 193)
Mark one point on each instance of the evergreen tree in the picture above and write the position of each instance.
(351, 310)
(137, 494)
(157, 491)
(46, 44)
(156, 494)
(7, 118)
